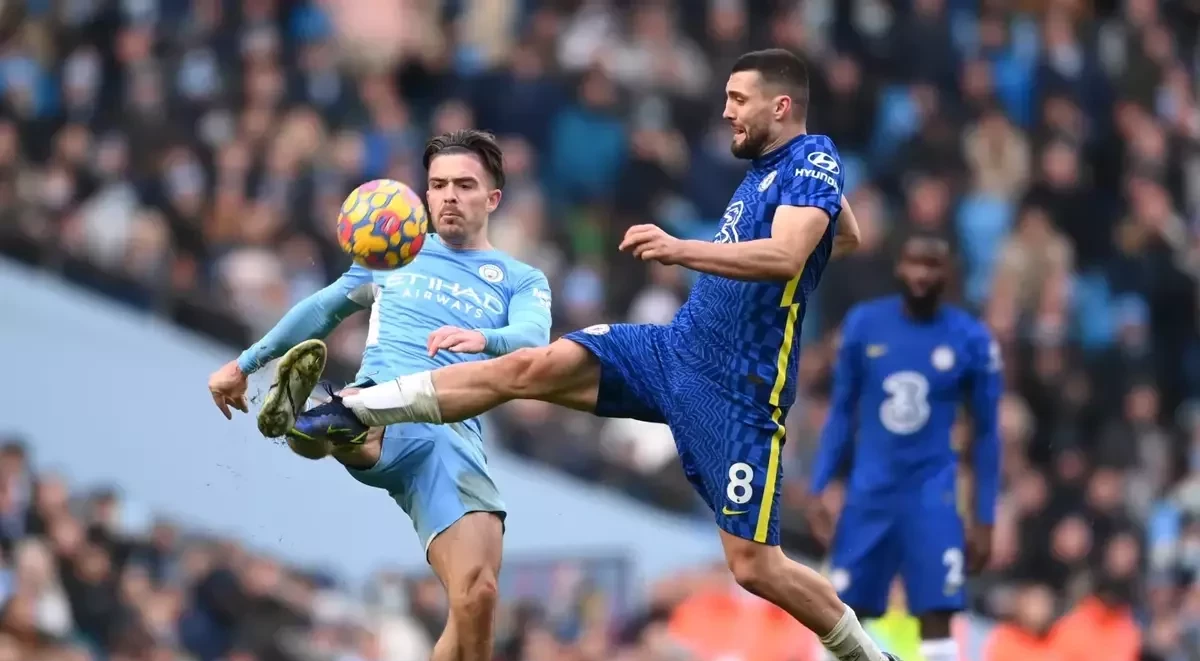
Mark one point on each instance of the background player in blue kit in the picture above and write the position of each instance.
(905, 366)
(723, 373)
(459, 301)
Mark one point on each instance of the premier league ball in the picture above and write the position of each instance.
(382, 225)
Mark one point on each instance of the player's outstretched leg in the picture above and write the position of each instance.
(563, 373)
(466, 557)
(297, 375)
(765, 571)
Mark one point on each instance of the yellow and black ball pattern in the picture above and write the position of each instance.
(382, 225)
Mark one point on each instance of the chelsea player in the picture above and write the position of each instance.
(905, 366)
(458, 302)
(723, 374)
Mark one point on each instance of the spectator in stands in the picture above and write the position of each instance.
(1028, 635)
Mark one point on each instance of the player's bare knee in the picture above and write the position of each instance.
(753, 566)
(474, 595)
(309, 449)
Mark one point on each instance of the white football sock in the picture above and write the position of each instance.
(410, 398)
(942, 649)
(849, 642)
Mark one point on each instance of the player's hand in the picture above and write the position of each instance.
(458, 340)
(979, 548)
(650, 243)
(228, 389)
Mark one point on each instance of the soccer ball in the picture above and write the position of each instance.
(382, 225)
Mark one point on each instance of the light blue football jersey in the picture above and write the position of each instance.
(477, 289)
(486, 290)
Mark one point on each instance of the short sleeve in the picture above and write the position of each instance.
(815, 178)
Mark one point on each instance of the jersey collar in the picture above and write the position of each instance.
(772, 158)
(462, 251)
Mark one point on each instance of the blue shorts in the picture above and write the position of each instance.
(436, 473)
(924, 545)
(730, 451)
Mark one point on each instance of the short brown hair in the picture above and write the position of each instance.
(779, 67)
(469, 141)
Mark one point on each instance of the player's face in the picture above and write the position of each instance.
(753, 112)
(922, 271)
(461, 196)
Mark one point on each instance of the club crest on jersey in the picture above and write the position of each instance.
(728, 232)
(491, 273)
(767, 181)
(598, 329)
(942, 359)
(824, 161)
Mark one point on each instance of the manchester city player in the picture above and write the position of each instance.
(905, 366)
(723, 373)
(458, 302)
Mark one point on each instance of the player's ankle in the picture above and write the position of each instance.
(410, 398)
(848, 640)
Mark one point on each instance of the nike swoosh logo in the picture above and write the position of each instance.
(728, 512)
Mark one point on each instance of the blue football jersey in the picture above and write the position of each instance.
(744, 333)
(899, 385)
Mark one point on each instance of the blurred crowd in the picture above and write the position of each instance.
(90, 577)
(188, 156)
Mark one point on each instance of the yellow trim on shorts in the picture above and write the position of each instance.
(781, 365)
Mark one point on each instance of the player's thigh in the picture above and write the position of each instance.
(865, 557)
(737, 465)
(628, 372)
(934, 561)
(563, 373)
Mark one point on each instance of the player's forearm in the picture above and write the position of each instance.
(837, 436)
(314, 317)
(760, 259)
(831, 453)
(834, 445)
(528, 320)
(985, 451)
(985, 461)
(843, 246)
(514, 336)
(848, 234)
